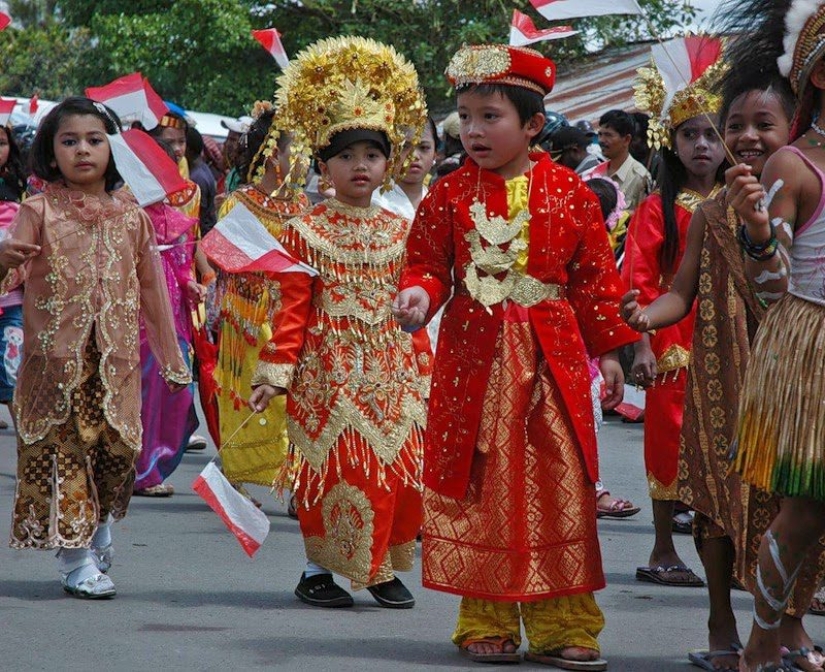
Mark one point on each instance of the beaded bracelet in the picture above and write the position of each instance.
(762, 252)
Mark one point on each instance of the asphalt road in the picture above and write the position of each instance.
(190, 599)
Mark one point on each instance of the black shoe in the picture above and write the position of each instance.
(322, 591)
(392, 594)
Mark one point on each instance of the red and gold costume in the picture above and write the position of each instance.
(355, 410)
(255, 452)
(664, 403)
(562, 305)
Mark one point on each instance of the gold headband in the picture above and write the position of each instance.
(168, 121)
(689, 102)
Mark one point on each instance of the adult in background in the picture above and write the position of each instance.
(616, 131)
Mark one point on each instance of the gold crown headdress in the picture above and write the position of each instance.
(344, 83)
(668, 109)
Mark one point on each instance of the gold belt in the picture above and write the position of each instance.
(525, 290)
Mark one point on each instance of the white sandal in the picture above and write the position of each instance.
(96, 587)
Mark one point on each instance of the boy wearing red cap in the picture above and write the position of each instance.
(510, 460)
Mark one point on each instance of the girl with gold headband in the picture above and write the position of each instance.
(355, 413)
(248, 304)
(781, 435)
(692, 154)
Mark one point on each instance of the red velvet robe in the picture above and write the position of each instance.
(568, 247)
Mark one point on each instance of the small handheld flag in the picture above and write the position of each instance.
(5, 20)
(132, 98)
(561, 10)
(145, 167)
(523, 31)
(270, 40)
(240, 243)
(6, 108)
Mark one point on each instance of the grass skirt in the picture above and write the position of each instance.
(781, 438)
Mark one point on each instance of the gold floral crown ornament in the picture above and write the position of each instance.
(344, 83)
(270, 142)
(694, 99)
(501, 64)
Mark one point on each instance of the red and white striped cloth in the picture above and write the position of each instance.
(6, 108)
(684, 60)
(560, 10)
(245, 520)
(240, 243)
(132, 98)
(270, 39)
(145, 167)
(523, 31)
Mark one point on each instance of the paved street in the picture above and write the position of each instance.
(189, 598)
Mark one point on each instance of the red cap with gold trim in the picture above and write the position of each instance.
(500, 64)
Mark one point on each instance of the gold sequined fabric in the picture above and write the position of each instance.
(526, 529)
(76, 475)
(98, 270)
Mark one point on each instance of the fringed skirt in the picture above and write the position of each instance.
(780, 446)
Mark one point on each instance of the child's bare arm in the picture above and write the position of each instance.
(673, 306)
(769, 218)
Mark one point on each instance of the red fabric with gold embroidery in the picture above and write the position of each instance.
(568, 247)
(670, 345)
(526, 529)
(355, 410)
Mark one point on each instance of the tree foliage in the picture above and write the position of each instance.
(200, 54)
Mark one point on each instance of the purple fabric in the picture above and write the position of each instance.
(168, 419)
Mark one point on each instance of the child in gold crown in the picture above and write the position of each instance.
(355, 412)
(510, 462)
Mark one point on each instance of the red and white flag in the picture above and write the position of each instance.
(5, 20)
(523, 31)
(145, 167)
(240, 243)
(34, 103)
(560, 10)
(245, 520)
(270, 40)
(132, 98)
(6, 108)
(684, 60)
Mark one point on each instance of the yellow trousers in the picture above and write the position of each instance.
(550, 625)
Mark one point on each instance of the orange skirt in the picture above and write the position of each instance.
(526, 529)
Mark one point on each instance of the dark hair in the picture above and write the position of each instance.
(41, 157)
(434, 130)
(194, 145)
(752, 57)
(620, 121)
(527, 103)
(166, 147)
(672, 178)
(251, 142)
(12, 174)
(607, 194)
